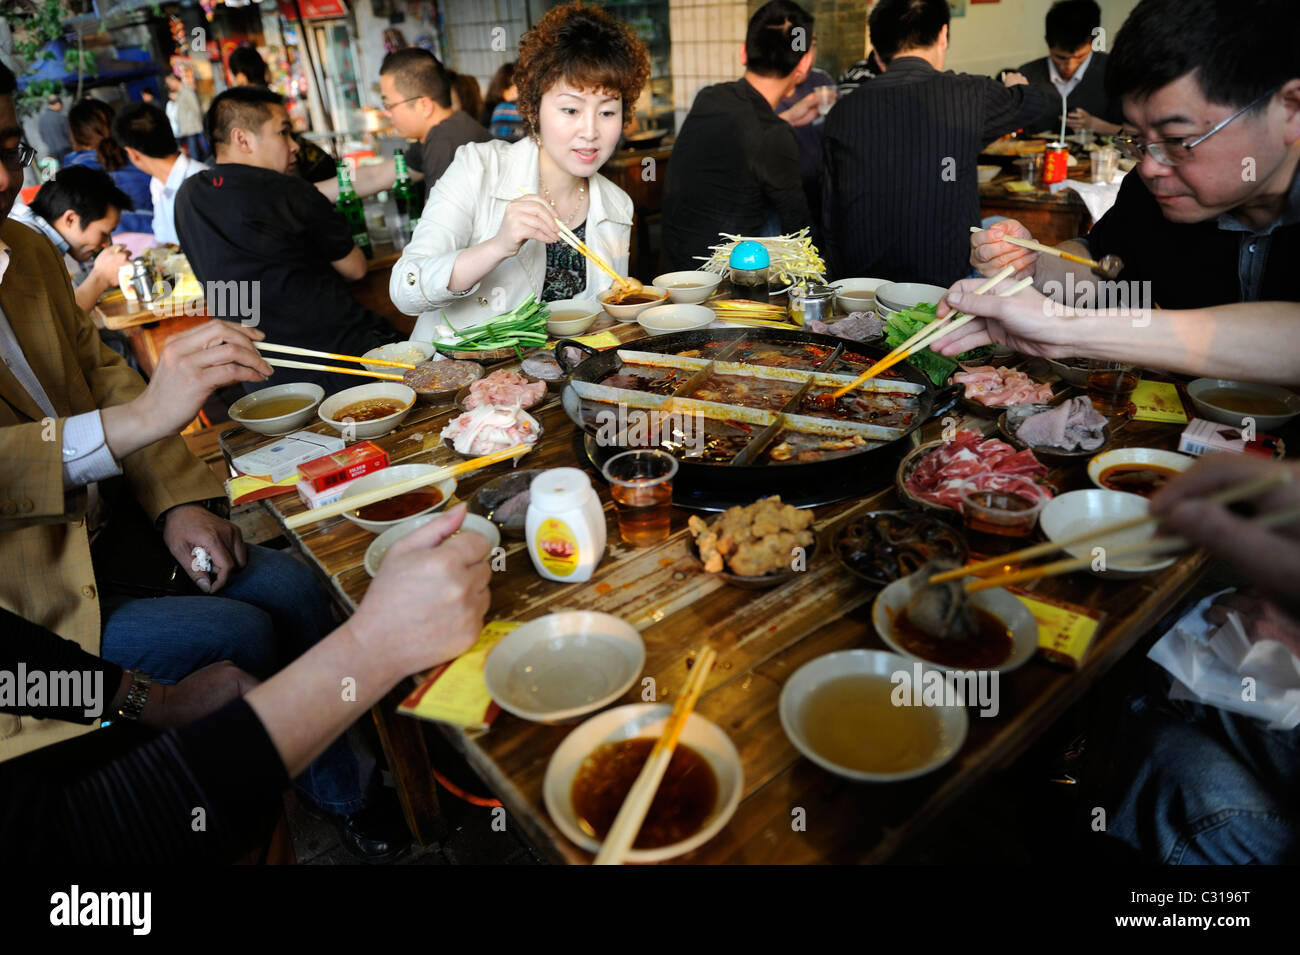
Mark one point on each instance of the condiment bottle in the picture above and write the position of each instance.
(747, 269)
(565, 526)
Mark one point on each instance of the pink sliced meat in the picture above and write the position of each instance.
(940, 476)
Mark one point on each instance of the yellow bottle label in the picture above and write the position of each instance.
(557, 548)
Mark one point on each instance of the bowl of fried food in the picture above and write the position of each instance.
(760, 545)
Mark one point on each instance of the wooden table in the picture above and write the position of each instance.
(762, 637)
(1051, 217)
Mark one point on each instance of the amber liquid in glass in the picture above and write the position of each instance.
(643, 511)
(990, 537)
(1111, 391)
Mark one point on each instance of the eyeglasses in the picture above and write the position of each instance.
(388, 107)
(1175, 152)
(19, 157)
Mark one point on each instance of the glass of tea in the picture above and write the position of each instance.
(1111, 385)
(999, 511)
(641, 483)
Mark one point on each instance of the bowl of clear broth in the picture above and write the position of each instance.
(367, 411)
(592, 771)
(1005, 635)
(1230, 402)
(688, 288)
(1137, 470)
(838, 710)
(381, 515)
(280, 409)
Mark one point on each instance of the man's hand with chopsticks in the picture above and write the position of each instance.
(989, 254)
(1269, 558)
(191, 367)
(1027, 321)
(528, 217)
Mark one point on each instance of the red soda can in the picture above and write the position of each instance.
(1055, 161)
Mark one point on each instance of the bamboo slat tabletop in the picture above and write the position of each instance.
(761, 637)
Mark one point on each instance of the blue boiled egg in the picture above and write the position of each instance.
(749, 255)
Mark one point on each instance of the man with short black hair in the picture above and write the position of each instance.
(1073, 74)
(899, 183)
(78, 210)
(246, 220)
(417, 98)
(735, 165)
(146, 136)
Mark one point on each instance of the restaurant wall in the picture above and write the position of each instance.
(472, 47)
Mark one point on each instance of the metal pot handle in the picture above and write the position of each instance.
(564, 343)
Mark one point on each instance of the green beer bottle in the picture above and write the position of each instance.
(350, 207)
(409, 199)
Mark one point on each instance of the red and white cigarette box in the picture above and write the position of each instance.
(349, 464)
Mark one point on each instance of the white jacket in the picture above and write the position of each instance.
(466, 207)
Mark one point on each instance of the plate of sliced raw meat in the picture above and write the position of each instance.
(933, 474)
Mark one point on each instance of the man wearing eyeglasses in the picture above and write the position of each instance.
(1211, 215)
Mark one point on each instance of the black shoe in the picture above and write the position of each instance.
(376, 833)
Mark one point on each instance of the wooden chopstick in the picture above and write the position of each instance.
(337, 369)
(1039, 247)
(401, 487)
(570, 239)
(637, 803)
(912, 344)
(1147, 548)
(311, 353)
(1231, 495)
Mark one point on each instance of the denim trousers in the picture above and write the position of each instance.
(1202, 786)
(267, 614)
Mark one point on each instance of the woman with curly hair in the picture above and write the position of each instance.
(91, 125)
(487, 238)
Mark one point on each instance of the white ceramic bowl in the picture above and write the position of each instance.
(379, 546)
(1003, 604)
(392, 475)
(1198, 389)
(898, 296)
(987, 173)
(412, 353)
(571, 316)
(857, 295)
(280, 424)
(628, 313)
(814, 674)
(701, 286)
(630, 722)
(564, 665)
(1092, 510)
(663, 319)
(332, 408)
(1164, 459)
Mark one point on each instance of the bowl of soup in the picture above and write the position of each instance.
(381, 515)
(857, 294)
(839, 711)
(367, 411)
(571, 316)
(1137, 470)
(627, 307)
(688, 288)
(280, 409)
(1232, 402)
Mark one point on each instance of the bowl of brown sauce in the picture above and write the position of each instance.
(592, 772)
(381, 515)
(1231, 402)
(280, 409)
(367, 411)
(1005, 635)
(626, 307)
(1137, 470)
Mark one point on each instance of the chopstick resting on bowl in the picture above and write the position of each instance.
(636, 804)
(336, 369)
(1230, 495)
(402, 487)
(311, 353)
(1147, 548)
(930, 333)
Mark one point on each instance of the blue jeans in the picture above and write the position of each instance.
(1205, 786)
(267, 615)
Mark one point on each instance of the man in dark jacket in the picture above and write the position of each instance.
(1074, 71)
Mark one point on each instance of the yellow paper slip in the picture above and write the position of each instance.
(456, 692)
(605, 339)
(1158, 401)
(1065, 631)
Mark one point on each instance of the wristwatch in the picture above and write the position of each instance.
(136, 696)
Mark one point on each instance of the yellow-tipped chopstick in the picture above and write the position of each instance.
(570, 239)
(1231, 495)
(915, 343)
(337, 369)
(1039, 247)
(637, 803)
(402, 487)
(1147, 548)
(311, 353)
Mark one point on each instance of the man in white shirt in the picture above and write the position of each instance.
(145, 134)
(1073, 72)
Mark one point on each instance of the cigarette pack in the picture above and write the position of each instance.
(314, 498)
(281, 458)
(345, 465)
(1206, 437)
